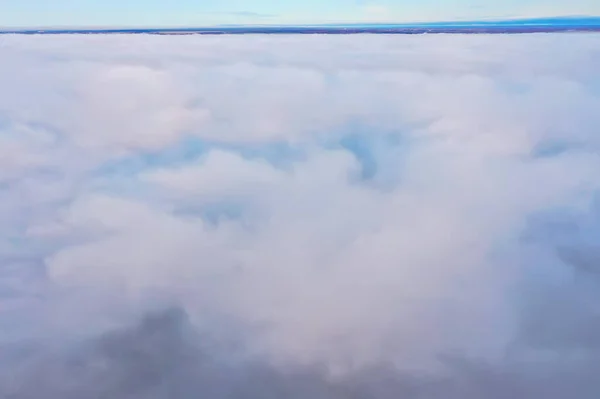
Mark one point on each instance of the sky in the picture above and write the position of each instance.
(26, 13)
(299, 216)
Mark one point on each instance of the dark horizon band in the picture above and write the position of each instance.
(532, 25)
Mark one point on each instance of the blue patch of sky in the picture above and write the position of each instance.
(280, 154)
(120, 175)
(373, 150)
(4, 124)
(363, 150)
(189, 12)
(180, 153)
(370, 148)
(554, 148)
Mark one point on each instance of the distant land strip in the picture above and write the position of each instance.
(538, 25)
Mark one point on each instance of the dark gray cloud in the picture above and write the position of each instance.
(163, 356)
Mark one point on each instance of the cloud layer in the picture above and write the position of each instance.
(327, 217)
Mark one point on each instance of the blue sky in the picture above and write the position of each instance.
(206, 12)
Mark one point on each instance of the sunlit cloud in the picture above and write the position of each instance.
(380, 214)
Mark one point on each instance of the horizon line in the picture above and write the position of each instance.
(549, 21)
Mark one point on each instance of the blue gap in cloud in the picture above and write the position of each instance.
(182, 152)
(370, 149)
(559, 146)
(4, 123)
(361, 147)
(8, 130)
(189, 150)
(553, 149)
(217, 212)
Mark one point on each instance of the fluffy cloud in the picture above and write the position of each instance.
(381, 215)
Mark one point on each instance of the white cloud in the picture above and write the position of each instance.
(339, 200)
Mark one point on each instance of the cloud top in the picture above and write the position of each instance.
(319, 216)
